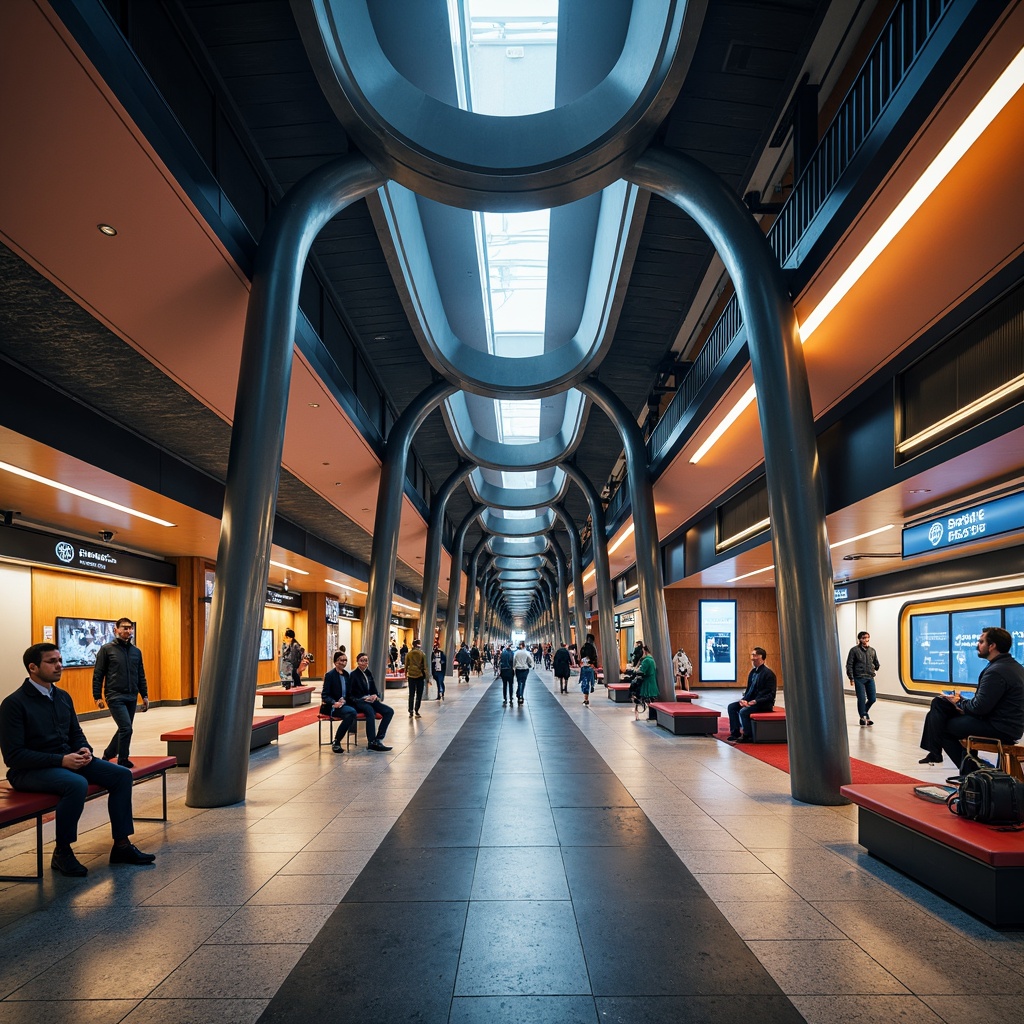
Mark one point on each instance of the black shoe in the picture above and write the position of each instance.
(417, 715)
(745, 739)
(863, 719)
(337, 748)
(732, 737)
(126, 763)
(867, 721)
(130, 854)
(931, 759)
(68, 864)
(377, 745)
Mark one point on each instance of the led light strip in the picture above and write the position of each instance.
(838, 544)
(35, 478)
(290, 568)
(622, 540)
(992, 103)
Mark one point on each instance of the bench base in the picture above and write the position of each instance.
(264, 731)
(769, 731)
(995, 894)
(686, 719)
(619, 693)
(295, 697)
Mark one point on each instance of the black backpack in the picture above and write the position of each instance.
(988, 796)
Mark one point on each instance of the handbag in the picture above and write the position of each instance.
(986, 795)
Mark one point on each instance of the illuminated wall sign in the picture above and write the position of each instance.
(83, 556)
(842, 592)
(627, 618)
(718, 641)
(332, 608)
(979, 522)
(282, 599)
(346, 612)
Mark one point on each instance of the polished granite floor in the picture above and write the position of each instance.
(556, 862)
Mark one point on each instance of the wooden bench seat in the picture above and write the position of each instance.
(769, 726)
(619, 693)
(1013, 754)
(16, 807)
(293, 697)
(684, 719)
(335, 722)
(974, 865)
(179, 741)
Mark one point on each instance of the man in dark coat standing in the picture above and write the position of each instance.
(562, 667)
(119, 664)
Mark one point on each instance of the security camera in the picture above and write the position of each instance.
(107, 535)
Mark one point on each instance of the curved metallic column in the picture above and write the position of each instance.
(223, 723)
(432, 553)
(387, 522)
(818, 744)
(451, 619)
(645, 533)
(576, 565)
(563, 589)
(472, 589)
(608, 648)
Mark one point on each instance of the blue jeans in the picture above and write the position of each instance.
(122, 711)
(865, 686)
(439, 679)
(347, 716)
(739, 718)
(71, 787)
(521, 674)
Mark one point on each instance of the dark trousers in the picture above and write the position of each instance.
(371, 710)
(563, 682)
(439, 679)
(739, 718)
(507, 681)
(945, 726)
(122, 711)
(346, 715)
(415, 693)
(865, 687)
(521, 674)
(71, 787)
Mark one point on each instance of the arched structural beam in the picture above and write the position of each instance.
(819, 753)
(223, 724)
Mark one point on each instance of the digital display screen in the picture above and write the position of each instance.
(718, 641)
(966, 628)
(267, 652)
(929, 638)
(79, 640)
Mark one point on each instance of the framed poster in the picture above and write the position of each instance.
(267, 652)
(718, 641)
(79, 640)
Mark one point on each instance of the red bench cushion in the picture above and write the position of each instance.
(360, 717)
(898, 803)
(686, 694)
(769, 716)
(189, 732)
(278, 691)
(682, 710)
(618, 686)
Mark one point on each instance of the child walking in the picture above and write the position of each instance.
(587, 680)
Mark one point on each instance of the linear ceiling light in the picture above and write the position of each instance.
(748, 532)
(1005, 88)
(36, 478)
(622, 540)
(969, 410)
(345, 586)
(756, 572)
(290, 568)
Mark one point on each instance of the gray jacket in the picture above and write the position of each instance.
(121, 663)
(861, 663)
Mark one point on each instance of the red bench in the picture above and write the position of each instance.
(769, 726)
(179, 741)
(16, 807)
(686, 696)
(973, 865)
(321, 718)
(684, 719)
(619, 693)
(294, 697)
(394, 680)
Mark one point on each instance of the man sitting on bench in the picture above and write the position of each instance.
(46, 751)
(759, 696)
(334, 696)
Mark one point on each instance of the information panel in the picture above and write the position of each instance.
(979, 522)
(718, 641)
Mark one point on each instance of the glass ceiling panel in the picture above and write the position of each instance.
(519, 480)
(505, 55)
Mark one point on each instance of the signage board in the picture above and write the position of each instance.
(978, 522)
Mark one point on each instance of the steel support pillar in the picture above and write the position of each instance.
(387, 522)
(819, 754)
(576, 567)
(451, 622)
(608, 649)
(645, 532)
(432, 552)
(227, 686)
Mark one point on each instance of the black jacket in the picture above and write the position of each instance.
(561, 664)
(588, 650)
(331, 690)
(361, 685)
(999, 699)
(36, 732)
(121, 663)
(761, 686)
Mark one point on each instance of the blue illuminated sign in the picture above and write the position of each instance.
(979, 522)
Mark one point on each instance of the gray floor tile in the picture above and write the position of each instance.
(231, 972)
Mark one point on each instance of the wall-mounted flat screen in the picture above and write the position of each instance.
(929, 635)
(1014, 625)
(966, 627)
(718, 641)
(267, 645)
(79, 640)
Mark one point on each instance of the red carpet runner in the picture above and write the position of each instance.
(777, 755)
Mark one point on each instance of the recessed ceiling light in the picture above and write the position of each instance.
(313, 405)
(921, 490)
(106, 229)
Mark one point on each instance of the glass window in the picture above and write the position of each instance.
(929, 637)
(966, 628)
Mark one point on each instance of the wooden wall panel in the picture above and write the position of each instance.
(82, 597)
(757, 625)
